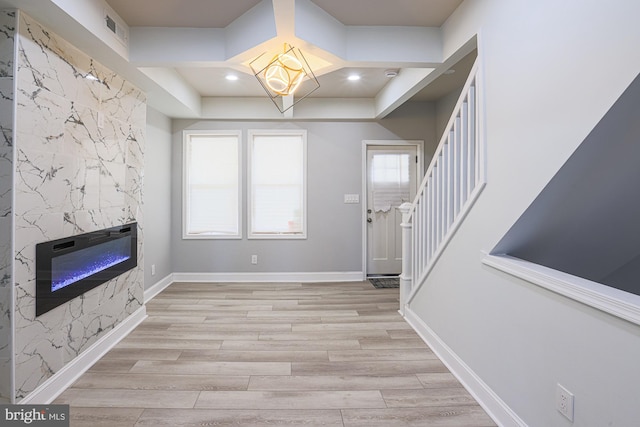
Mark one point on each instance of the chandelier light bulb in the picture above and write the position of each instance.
(284, 74)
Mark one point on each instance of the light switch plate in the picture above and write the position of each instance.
(352, 198)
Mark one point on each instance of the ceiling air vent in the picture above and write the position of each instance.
(116, 28)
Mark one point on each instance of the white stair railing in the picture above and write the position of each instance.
(453, 181)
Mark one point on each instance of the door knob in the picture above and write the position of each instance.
(368, 210)
(369, 220)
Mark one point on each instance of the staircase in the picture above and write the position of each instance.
(452, 183)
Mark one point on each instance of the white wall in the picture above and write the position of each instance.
(334, 169)
(157, 198)
(551, 71)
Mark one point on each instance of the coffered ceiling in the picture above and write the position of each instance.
(220, 13)
(187, 48)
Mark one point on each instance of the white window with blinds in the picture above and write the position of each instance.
(277, 200)
(212, 185)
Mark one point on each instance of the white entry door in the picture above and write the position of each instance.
(391, 181)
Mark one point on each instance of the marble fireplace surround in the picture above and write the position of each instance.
(78, 166)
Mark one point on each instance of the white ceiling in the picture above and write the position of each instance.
(181, 13)
(220, 13)
(185, 48)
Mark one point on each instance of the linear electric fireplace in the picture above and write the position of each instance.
(69, 267)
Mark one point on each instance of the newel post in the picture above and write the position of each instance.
(405, 276)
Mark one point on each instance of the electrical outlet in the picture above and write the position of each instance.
(153, 269)
(564, 402)
(254, 259)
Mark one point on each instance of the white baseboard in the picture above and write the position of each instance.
(61, 380)
(157, 287)
(497, 409)
(338, 276)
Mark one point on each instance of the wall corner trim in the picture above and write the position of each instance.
(61, 380)
(157, 287)
(497, 409)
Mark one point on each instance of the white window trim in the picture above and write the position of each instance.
(605, 298)
(185, 135)
(277, 236)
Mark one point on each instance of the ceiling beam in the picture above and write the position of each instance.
(153, 46)
(400, 89)
(262, 108)
(170, 94)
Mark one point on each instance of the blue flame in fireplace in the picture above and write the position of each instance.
(70, 268)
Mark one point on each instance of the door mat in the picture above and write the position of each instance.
(385, 282)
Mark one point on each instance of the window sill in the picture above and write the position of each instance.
(610, 300)
(283, 236)
(209, 237)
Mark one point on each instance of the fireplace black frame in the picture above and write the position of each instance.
(48, 299)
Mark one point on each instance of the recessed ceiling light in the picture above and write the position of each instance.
(353, 77)
(390, 73)
(231, 77)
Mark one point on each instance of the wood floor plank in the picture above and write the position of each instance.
(380, 355)
(202, 334)
(272, 320)
(438, 379)
(380, 317)
(402, 334)
(353, 325)
(218, 307)
(427, 397)
(301, 313)
(255, 356)
(78, 397)
(300, 399)
(117, 365)
(230, 327)
(244, 418)
(386, 344)
(455, 416)
(193, 367)
(365, 368)
(142, 354)
(179, 344)
(286, 345)
(198, 312)
(357, 334)
(334, 382)
(161, 382)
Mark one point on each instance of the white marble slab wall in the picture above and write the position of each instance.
(80, 137)
(7, 32)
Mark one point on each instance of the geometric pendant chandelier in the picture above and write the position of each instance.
(286, 77)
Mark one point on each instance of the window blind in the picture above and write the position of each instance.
(277, 184)
(212, 185)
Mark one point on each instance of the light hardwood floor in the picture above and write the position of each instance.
(325, 354)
